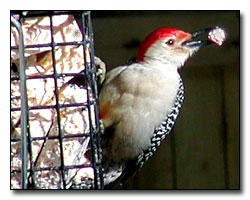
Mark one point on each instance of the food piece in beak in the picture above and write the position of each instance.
(215, 35)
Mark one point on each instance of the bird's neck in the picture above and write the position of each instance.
(163, 63)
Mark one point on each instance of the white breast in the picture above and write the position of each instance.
(146, 95)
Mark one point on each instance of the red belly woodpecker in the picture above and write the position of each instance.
(139, 102)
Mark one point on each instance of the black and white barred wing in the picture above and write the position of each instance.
(159, 134)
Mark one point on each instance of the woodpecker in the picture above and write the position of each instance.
(139, 102)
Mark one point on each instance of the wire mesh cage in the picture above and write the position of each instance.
(55, 141)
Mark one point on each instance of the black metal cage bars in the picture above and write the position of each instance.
(55, 141)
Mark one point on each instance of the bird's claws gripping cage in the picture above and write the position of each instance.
(55, 141)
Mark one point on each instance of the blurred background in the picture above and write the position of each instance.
(202, 151)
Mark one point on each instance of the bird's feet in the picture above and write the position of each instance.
(101, 127)
(100, 70)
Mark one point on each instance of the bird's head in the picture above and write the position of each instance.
(170, 45)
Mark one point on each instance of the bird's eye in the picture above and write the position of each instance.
(170, 42)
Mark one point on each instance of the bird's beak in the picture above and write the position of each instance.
(193, 43)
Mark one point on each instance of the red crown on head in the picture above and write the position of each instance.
(154, 36)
